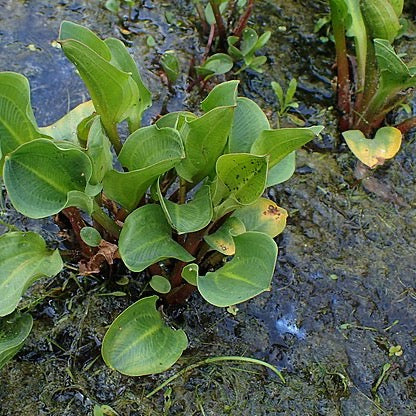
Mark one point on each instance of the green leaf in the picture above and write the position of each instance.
(192, 216)
(139, 343)
(222, 95)
(66, 127)
(222, 240)
(373, 152)
(175, 119)
(290, 93)
(282, 171)
(204, 139)
(17, 122)
(190, 273)
(249, 39)
(394, 73)
(146, 239)
(23, 259)
(171, 66)
(216, 64)
(147, 153)
(90, 236)
(279, 143)
(249, 122)
(39, 177)
(263, 39)
(263, 216)
(243, 175)
(99, 151)
(113, 92)
(14, 330)
(114, 7)
(121, 58)
(278, 90)
(160, 284)
(248, 274)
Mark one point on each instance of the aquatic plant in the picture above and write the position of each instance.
(375, 81)
(178, 202)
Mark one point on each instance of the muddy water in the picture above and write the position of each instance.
(343, 291)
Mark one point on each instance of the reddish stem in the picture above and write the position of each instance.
(406, 125)
(77, 224)
(220, 23)
(242, 23)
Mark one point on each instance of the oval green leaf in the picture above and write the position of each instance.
(139, 343)
(160, 284)
(247, 275)
(90, 236)
(222, 95)
(39, 177)
(146, 239)
(23, 259)
(14, 330)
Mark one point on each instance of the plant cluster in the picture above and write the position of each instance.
(178, 202)
(376, 80)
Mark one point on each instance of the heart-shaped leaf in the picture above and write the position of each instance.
(23, 259)
(204, 139)
(373, 152)
(249, 122)
(146, 239)
(66, 127)
(17, 122)
(263, 216)
(148, 153)
(139, 343)
(281, 142)
(14, 329)
(248, 274)
(42, 179)
(189, 217)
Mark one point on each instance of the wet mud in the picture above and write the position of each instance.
(344, 289)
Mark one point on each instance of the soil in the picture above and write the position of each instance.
(344, 288)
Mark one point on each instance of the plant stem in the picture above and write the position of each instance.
(215, 360)
(114, 137)
(105, 221)
(220, 23)
(344, 93)
(242, 23)
(406, 125)
(182, 191)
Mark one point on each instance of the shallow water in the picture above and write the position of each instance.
(343, 291)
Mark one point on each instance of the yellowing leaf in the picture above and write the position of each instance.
(264, 216)
(373, 152)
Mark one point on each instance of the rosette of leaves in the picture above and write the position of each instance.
(189, 188)
(380, 80)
